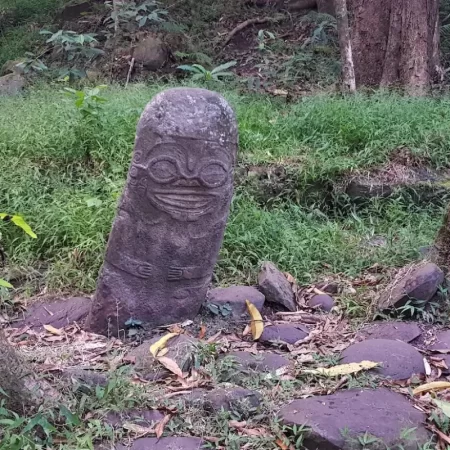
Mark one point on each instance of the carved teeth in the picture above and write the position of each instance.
(184, 201)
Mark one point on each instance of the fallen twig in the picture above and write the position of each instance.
(246, 24)
(129, 72)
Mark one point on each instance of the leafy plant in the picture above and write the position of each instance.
(263, 37)
(138, 15)
(31, 62)
(88, 101)
(220, 310)
(74, 45)
(200, 57)
(216, 74)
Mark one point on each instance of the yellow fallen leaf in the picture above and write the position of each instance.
(434, 386)
(171, 365)
(344, 369)
(53, 330)
(257, 324)
(161, 343)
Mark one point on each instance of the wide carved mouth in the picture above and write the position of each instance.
(184, 201)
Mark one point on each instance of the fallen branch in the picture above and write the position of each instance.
(129, 72)
(246, 24)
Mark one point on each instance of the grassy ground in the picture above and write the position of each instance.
(65, 175)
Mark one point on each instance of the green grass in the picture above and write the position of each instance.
(53, 163)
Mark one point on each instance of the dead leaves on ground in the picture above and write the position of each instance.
(343, 369)
(257, 323)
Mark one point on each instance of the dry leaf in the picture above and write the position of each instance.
(159, 428)
(202, 333)
(171, 365)
(256, 325)
(138, 429)
(427, 367)
(236, 424)
(53, 330)
(434, 386)
(161, 343)
(246, 331)
(344, 369)
(163, 352)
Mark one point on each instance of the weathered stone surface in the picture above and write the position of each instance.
(171, 219)
(287, 333)
(379, 413)
(328, 287)
(180, 349)
(418, 283)
(261, 362)
(276, 287)
(366, 188)
(322, 301)
(398, 360)
(142, 417)
(11, 84)
(442, 341)
(165, 443)
(236, 296)
(242, 400)
(401, 331)
(151, 52)
(13, 66)
(58, 313)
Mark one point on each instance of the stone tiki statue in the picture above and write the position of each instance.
(171, 219)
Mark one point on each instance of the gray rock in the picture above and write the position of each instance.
(262, 362)
(365, 188)
(328, 287)
(442, 341)
(144, 418)
(287, 333)
(13, 66)
(151, 52)
(236, 296)
(398, 360)
(58, 313)
(418, 283)
(244, 401)
(165, 443)
(11, 84)
(337, 420)
(401, 331)
(180, 349)
(169, 227)
(322, 301)
(276, 287)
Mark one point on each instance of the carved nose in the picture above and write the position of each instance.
(187, 183)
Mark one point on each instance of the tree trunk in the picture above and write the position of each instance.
(395, 43)
(345, 43)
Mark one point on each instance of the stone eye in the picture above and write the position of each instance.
(163, 170)
(214, 174)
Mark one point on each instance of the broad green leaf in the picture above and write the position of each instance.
(5, 284)
(198, 76)
(200, 68)
(224, 67)
(20, 222)
(71, 418)
(188, 68)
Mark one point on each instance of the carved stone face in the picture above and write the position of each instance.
(187, 178)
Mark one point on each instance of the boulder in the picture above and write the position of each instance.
(261, 362)
(240, 400)
(142, 417)
(165, 443)
(13, 66)
(287, 333)
(276, 288)
(397, 331)
(180, 349)
(337, 421)
(442, 342)
(322, 301)
(58, 313)
(235, 297)
(11, 84)
(417, 283)
(398, 360)
(151, 52)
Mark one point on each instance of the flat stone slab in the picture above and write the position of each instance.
(336, 421)
(417, 284)
(180, 349)
(401, 331)
(289, 334)
(236, 296)
(398, 360)
(144, 418)
(322, 301)
(261, 362)
(442, 341)
(165, 443)
(276, 287)
(59, 313)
